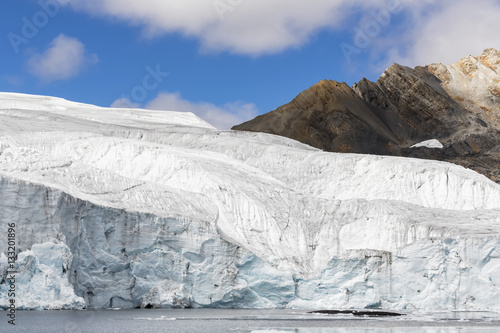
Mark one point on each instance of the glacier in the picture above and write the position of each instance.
(126, 208)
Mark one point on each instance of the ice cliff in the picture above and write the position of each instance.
(133, 208)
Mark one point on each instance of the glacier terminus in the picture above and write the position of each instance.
(127, 208)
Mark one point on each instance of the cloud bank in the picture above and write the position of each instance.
(251, 27)
(427, 30)
(446, 31)
(222, 117)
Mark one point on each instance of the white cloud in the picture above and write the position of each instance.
(63, 59)
(250, 27)
(441, 31)
(221, 117)
(125, 103)
(457, 29)
(426, 31)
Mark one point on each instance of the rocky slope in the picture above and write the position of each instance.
(133, 208)
(458, 105)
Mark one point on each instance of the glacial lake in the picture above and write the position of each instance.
(256, 321)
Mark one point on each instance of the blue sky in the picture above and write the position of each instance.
(227, 60)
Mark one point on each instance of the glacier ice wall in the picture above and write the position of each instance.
(131, 208)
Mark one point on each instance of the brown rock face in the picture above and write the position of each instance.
(329, 116)
(458, 105)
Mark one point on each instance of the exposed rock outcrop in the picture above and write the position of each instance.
(459, 105)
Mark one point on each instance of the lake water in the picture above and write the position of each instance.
(256, 321)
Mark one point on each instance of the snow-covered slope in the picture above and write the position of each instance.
(433, 143)
(127, 208)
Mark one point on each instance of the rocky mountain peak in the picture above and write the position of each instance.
(491, 58)
(474, 83)
(326, 91)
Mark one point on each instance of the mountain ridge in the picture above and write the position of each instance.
(459, 105)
